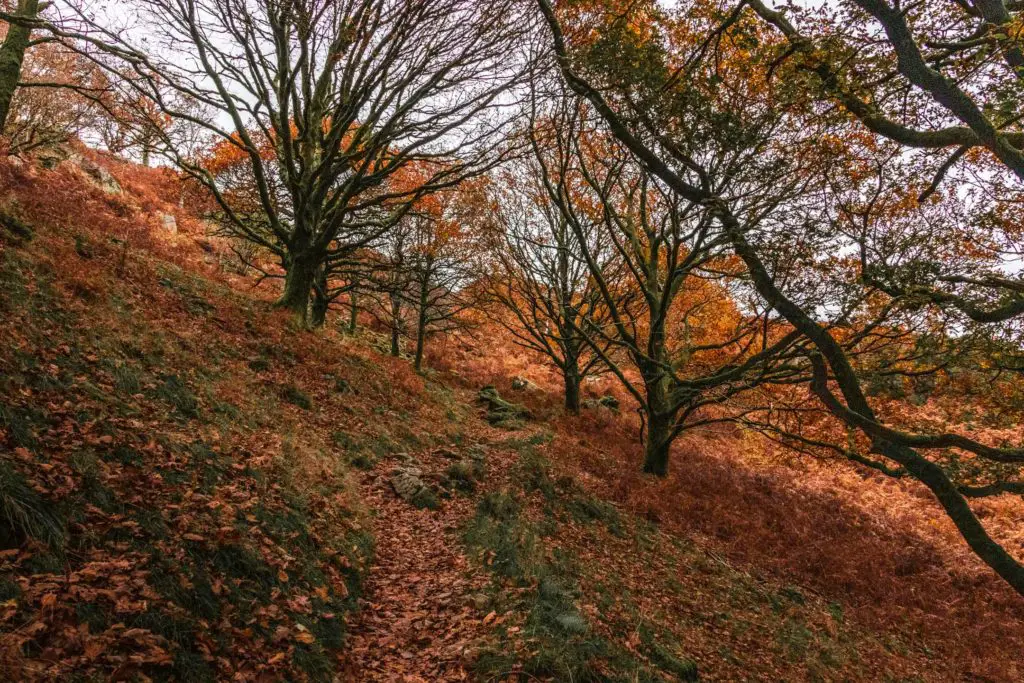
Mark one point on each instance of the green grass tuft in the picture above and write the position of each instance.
(296, 397)
(24, 514)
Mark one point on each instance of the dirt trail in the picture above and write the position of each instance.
(418, 620)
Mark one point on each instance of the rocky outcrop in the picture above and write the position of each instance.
(97, 175)
(53, 156)
(500, 412)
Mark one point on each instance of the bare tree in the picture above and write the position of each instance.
(539, 276)
(444, 270)
(384, 283)
(328, 102)
(673, 279)
(422, 280)
(653, 135)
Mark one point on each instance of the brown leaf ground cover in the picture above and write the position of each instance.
(194, 491)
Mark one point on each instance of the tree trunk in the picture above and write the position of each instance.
(12, 55)
(421, 329)
(658, 444)
(396, 321)
(321, 299)
(421, 339)
(298, 284)
(318, 311)
(660, 421)
(571, 377)
(353, 312)
(959, 510)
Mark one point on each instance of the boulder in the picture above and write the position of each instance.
(499, 411)
(409, 485)
(100, 177)
(478, 600)
(168, 223)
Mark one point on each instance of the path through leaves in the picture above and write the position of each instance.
(423, 616)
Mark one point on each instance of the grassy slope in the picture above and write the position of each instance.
(186, 465)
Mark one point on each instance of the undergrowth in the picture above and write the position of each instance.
(140, 535)
(545, 583)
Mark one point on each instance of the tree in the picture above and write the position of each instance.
(654, 143)
(12, 52)
(49, 93)
(945, 75)
(134, 126)
(668, 310)
(344, 94)
(424, 275)
(386, 282)
(443, 270)
(539, 277)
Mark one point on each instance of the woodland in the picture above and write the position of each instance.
(521, 340)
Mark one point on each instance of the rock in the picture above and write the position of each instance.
(410, 487)
(478, 600)
(101, 177)
(500, 412)
(518, 383)
(572, 622)
(447, 453)
(168, 223)
(609, 402)
(51, 157)
(12, 223)
(406, 482)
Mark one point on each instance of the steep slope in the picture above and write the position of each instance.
(192, 490)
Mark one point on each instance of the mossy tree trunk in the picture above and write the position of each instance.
(660, 418)
(12, 55)
(658, 445)
(298, 286)
(321, 299)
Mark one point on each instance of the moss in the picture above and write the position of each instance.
(259, 364)
(500, 412)
(14, 224)
(9, 590)
(665, 658)
(316, 663)
(19, 425)
(296, 397)
(462, 476)
(126, 379)
(426, 499)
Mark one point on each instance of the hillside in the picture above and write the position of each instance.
(191, 489)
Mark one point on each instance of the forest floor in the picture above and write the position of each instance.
(194, 490)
